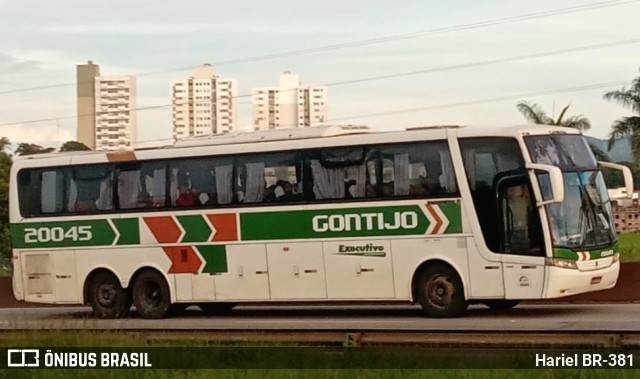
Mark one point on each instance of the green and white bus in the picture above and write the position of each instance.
(440, 216)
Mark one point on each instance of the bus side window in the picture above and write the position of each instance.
(417, 169)
(90, 188)
(130, 194)
(28, 187)
(269, 178)
(51, 191)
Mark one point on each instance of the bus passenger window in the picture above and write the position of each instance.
(91, 188)
(51, 191)
(270, 178)
(417, 169)
(129, 194)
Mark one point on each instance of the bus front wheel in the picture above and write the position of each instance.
(440, 292)
(107, 297)
(151, 295)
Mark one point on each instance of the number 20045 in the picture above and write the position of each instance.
(57, 234)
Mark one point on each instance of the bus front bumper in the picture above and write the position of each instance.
(566, 282)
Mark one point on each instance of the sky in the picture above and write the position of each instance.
(42, 41)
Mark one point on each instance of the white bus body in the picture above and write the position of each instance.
(440, 216)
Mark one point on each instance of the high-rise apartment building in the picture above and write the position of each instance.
(86, 75)
(116, 123)
(106, 109)
(203, 104)
(289, 105)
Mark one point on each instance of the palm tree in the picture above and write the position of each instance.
(627, 126)
(534, 113)
(30, 148)
(74, 146)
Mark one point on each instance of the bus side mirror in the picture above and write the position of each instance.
(556, 181)
(626, 172)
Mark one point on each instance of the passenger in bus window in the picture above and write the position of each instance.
(370, 191)
(284, 191)
(419, 186)
(211, 199)
(387, 189)
(433, 187)
(186, 197)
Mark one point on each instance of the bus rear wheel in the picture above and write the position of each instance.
(440, 292)
(151, 295)
(107, 297)
(501, 304)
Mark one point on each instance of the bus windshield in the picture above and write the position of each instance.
(584, 220)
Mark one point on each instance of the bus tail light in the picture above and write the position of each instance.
(562, 263)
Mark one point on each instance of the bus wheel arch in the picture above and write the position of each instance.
(438, 287)
(150, 292)
(104, 292)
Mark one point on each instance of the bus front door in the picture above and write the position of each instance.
(522, 241)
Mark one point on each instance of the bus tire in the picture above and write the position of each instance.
(107, 297)
(216, 307)
(151, 295)
(440, 292)
(501, 304)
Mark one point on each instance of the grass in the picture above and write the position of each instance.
(324, 374)
(630, 247)
(61, 339)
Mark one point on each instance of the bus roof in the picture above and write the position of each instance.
(273, 135)
(254, 142)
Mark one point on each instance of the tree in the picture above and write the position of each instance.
(74, 146)
(534, 113)
(5, 239)
(4, 144)
(627, 126)
(30, 148)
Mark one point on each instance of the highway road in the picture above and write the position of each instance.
(525, 318)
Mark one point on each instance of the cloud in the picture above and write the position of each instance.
(11, 64)
(46, 136)
(178, 28)
(139, 28)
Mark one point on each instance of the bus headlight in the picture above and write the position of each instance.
(562, 263)
(616, 257)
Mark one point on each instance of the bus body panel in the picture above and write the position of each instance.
(563, 282)
(296, 271)
(524, 276)
(486, 280)
(248, 274)
(356, 275)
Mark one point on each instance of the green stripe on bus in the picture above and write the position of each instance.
(215, 258)
(561, 252)
(346, 222)
(195, 227)
(129, 230)
(452, 211)
(62, 234)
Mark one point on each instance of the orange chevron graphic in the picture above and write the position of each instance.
(225, 225)
(184, 259)
(164, 228)
(439, 221)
